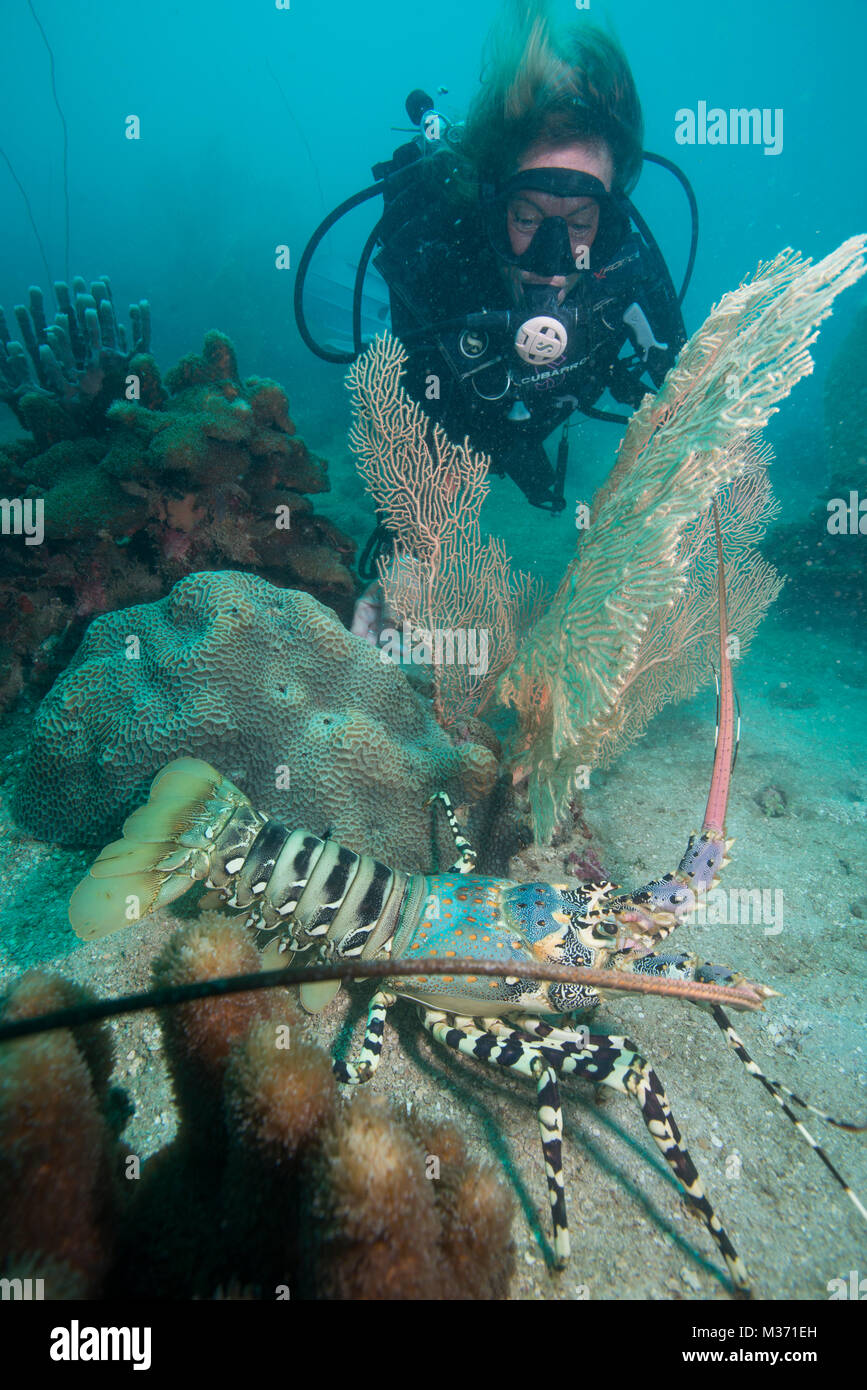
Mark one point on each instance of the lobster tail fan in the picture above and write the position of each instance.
(179, 796)
(162, 852)
(189, 777)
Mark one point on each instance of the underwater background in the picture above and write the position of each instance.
(255, 122)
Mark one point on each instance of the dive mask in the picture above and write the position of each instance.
(555, 248)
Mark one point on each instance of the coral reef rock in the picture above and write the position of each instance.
(202, 471)
(268, 686)
(274, 1186)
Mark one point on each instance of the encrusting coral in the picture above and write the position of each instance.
(156, 479)
(274, 1184)
(266, 684)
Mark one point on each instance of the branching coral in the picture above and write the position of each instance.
(273, 1182)
(443, 578)
(570, 678)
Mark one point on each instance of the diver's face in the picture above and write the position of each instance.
(528, 209)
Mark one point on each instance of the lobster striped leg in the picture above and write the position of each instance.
(781, 1094)
(550, 1117)
(503, 1048)
(614, 1061)
(368, 1059)
(467, 856)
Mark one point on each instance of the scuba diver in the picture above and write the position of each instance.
(523, 283)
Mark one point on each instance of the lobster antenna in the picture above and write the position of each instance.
(737, 719)
(782, 1095)
(744, 996)
(737, 727)
(727, 740)
(726, 748)
(65, 135)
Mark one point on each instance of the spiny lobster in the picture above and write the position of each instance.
(308, 895)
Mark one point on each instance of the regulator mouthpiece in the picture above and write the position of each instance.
(541, 340)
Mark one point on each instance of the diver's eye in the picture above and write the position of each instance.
(579, 238)
(525, 219)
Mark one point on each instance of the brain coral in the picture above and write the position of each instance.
(267, 685)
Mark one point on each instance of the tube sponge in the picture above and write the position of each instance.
(199, 1037)
(274, 1180)
(58, 1190)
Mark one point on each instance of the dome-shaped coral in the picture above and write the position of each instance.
(268, 686)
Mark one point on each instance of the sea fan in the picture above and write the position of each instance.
(629, 626)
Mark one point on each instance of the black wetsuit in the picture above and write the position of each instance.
(439, 265)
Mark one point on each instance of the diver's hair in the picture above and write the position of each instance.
(539, 87)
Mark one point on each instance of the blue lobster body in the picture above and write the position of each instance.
(481, 918)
